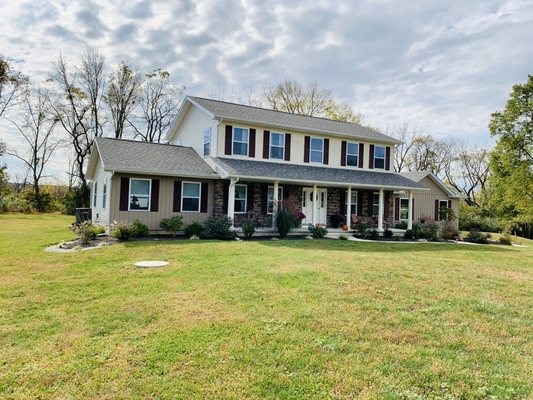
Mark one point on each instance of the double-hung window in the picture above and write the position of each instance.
(353, 203)
(207, 141)
(270, 199)
(241, 192)
(140, 194)
(190, 199)
(379, 157)
(277, 145)
(375, 203)
(443, 210)
(317, 150)
(352, 154)
(95, 190)
(104, 194)
(240, 141)
(404, 209)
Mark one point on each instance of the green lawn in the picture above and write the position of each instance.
(284, 319)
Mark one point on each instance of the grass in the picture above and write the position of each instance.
(285, 319)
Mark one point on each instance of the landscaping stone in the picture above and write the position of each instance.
(151, 264)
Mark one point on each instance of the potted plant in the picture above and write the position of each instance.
(345, 227)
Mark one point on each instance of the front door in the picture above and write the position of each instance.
(308, 199)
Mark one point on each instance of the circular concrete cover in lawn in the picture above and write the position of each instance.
(151, 264)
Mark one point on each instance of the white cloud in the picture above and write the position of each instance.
(444, 65)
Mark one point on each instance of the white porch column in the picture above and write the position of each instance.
(349, 207)
(410, 211)
(275, 203)
(380, 210)
(231, 200)
(315, 199)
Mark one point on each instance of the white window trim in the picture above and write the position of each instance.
(189, 197)
(233, 141)
(440, 202)
(352, 203)
(380, 158)
(351, 154)
(280, 189)
(104, 195)
(245, 199)
(271, 145)
(400, 209)
(95, 193)
(311, 150)
(143, 195)
(207, 134)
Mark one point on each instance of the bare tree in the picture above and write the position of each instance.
(91, 76)
(122, 96)
(410, 137)
(158, 105)
(10, 84)
(311, 100)
(35, 121)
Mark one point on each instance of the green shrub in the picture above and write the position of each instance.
(361, 229)
(285, 221)
(506, 239)
(85, 231)
(429, 231)
(473, 218)
(343, 237)
(138, 229)
(121, 230)
(219, 228)
(248, 228)
(194, 229)
(318, 231)
(475, 236)
(448, 231)
(409, 234)
(401, 225)
(171, 225)
(388, 233)
(98, 229)
(373, 234)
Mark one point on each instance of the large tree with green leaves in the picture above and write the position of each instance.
(512, 159)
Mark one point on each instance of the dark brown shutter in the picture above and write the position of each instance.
(176, 199)
(266, 145)
(343, 153)
(285, 193)
(413, 209)
(397, 209)
(225, 195)
(326, 151)
(228, 140)
(204, 197)
(307, 145)
(342, 202)
(387, 158)
(361, 154)
(124, 193)
(360, 203)
(449, 204)
(436, 210)
(264, 198)
(386, 208)
(287, 147)
(371, 157)
(251, 143)
(154, 196)
(250, 197)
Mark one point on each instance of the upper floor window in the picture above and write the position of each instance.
(379, 157)
(241, 192)
(270, 198)
(277, 145)
(352, 154)
(207, 141)
(104, 194)
(140, 194)
(241, 138)
(190, 198)
(95, 189)
(317, 150)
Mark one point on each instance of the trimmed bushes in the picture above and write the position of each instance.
(172, 225)
(218, 228)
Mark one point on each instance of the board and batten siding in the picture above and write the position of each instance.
(424, 201)
(166, 200)
(100, 214)
(191, 131)
(298, 146)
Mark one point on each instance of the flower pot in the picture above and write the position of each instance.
(345, 227)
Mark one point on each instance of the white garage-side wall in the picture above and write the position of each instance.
(100, 205)
(191, 131)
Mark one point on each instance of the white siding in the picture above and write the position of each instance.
(100, 214)
(191, 130)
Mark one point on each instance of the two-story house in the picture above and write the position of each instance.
(230, 159)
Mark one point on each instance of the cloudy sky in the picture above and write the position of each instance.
(443, 65)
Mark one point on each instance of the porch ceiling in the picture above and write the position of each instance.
(291, 173)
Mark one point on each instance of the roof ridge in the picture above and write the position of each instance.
(283, 112)
(141, 141)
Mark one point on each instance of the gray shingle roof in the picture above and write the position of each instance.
(262, 116)
(151, 158)
(415, 176)
(290, 172)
